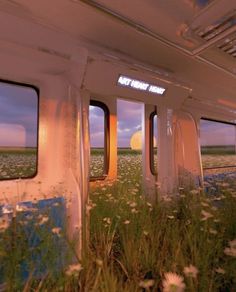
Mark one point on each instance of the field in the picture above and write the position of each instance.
(183, 243)
(212, 157)
(17, 162)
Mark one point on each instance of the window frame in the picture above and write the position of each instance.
(36, 89)
(216, 121)
(104, 107)
(151, 142)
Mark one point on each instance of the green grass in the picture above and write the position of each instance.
(18, 150)
(125, 151)
(132, 240)
(218, 150)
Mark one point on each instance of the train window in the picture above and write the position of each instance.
(218, 145)
(153, 143)
(18, 130)
(99, 139)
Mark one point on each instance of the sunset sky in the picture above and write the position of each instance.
(18, 121)
(18, 116)
(129, 116)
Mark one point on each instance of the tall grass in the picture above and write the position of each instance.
(131, 241)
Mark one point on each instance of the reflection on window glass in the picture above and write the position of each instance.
(97, 140)
(18, 131)
(153, 143)
(217, 144)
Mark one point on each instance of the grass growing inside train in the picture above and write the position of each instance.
(184, 244)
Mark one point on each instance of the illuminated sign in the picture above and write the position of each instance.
(140, 85)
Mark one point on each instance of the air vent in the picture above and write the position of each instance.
(218, 27)
(229, 45)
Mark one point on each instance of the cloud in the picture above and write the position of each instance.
(215, 133)
(129, 116)
(12, 135)
(19, 106)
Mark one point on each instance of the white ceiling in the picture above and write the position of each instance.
(160, 34)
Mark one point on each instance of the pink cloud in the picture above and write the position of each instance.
(12, 135)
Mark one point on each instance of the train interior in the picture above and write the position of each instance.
(70, 69)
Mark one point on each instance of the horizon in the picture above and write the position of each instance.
(19, 121)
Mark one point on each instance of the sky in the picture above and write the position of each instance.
(18, 116)
(215, 133)
(129, 117)
(18, 121)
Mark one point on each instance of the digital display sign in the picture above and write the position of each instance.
(140, 85)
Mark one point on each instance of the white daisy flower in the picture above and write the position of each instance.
(173, 283)
(191, 271)
(74, 269)
(42, 219)
(56, 230)
(220, 271)
(126, 222)
(146, 284)
(206, 215)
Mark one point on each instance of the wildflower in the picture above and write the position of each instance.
(126, 222)
(134, 211)
(133, 205)
(194, 192)
(107, 220)
(170, 217)
(173, 283)
(56, 230)
(212, 231)
(216, 220)
(90, 206)
(204, 204)
(191, 271)
(7, 209)
(232, 243)
(231, 250)
(188, 222)
(220, 271)
(146, 284)
(74, 269)
(206, 215)
(145, 232)
(21, 208)
(42, 219)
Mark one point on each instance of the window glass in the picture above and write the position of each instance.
(97, 124)
(217, 144)
(18, 131)
(153, 143)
